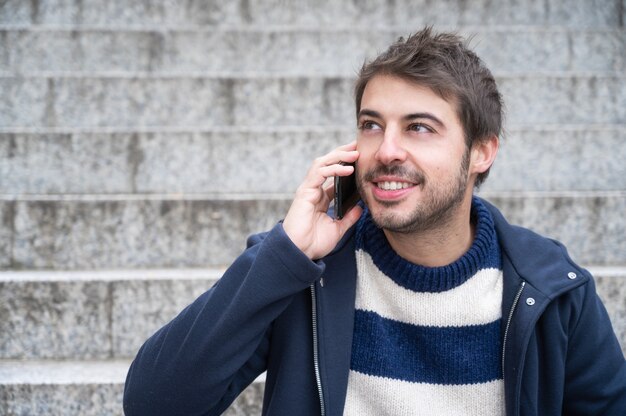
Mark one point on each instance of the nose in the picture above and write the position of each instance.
(391, 149)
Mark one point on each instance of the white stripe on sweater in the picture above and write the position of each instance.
(376, 396)
(475, 302)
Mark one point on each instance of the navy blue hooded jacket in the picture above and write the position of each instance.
(275, 310)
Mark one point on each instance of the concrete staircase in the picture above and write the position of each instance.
(142, 141)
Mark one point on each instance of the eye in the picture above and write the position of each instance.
(369, 125)
(420, 128)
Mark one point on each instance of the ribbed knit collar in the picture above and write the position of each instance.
(483, 254)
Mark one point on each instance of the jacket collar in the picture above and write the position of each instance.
(541, 262)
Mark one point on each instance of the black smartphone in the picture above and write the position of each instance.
(346, 194)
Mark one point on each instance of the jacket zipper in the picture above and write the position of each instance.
(508, 322)
(316, 360)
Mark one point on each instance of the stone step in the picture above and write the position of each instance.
(168, 13)
(205, 102)
(560, 159)
(330, 52)
(206, 230)
(90, 315)
(235, 160)
(578, 13)
(84, 388)
(104, 315)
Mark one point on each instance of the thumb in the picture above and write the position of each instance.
(349, 219)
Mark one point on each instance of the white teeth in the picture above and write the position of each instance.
(392, 186)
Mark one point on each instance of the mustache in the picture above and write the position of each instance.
(410, 175)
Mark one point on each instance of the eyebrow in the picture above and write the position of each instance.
(408, 117)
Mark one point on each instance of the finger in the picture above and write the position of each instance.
(322, 167)
(335, 158)
(318, 174)
(345, 153)
(330, 191)
(348, 146)
(348, 220)
(336, 170)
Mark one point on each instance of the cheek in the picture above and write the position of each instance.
(363, 144)
(366, 150)
(437, 167)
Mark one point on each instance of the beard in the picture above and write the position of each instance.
(439, 206)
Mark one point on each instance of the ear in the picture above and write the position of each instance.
(483, 154)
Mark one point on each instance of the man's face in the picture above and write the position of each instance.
(413, 164)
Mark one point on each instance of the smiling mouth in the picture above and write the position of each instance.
(393, 185)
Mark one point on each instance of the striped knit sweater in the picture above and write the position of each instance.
(427, 340)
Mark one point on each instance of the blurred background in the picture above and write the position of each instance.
(142, 141)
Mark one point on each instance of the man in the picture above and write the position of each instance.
(422, 300)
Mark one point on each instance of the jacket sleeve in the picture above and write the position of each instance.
(595, 381)
(199, 362)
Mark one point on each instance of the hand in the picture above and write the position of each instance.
(306, 223)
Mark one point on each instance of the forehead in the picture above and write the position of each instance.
(392, 96)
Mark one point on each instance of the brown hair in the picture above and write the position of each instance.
(444, 63)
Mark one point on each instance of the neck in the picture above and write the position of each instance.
(439, 246)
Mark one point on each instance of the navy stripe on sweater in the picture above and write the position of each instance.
(483, 254)
(425, 351)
